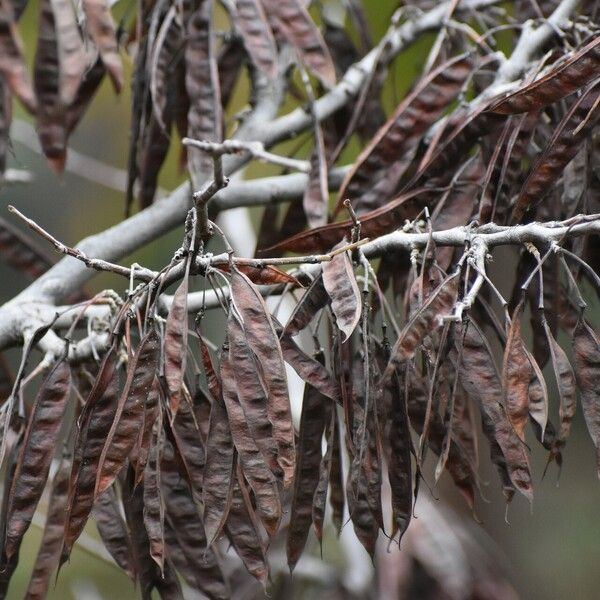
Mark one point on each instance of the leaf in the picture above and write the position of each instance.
(377, 171)
(36, 454)
(516, 375)
(176, 343)
(101, 28)
(295, 24)
(48, 555)
(129, 416)
(560, 149)
(586, 357)
(262, 339)
(218, 471)
(202, 84)
(12, 61)
(251, 22)
(95, 423)
(113, 531)
(243, 530)
(562, 79)
(254, 467)
(315, 414)
(341, 286)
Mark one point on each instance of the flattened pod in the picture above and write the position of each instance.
(154, 508)
(176, 343)
(390, 151)
(36, 454)
(101, 28)
(95, 422)
(252, 395)
(149, 575)
(51, 116)
(481, 381)
(586, 354)
(340, 283)
(399, 461)
(423, 322)
(142, 446)
(309, 369)
(319, 499)
(316, 409)
(190, 445)
(516, 375)
(563, 79)
(566, 383)
(261, 336)
(203, 572)
(243, 530)
(49, 553)
(250, 20)
(260, 478)
(87, 90)
(202, 85)
(113, 531)
(71, 54)
(218, 471)
(373, 224)
(313, 300)
(129, 415)
(560, 150)
(316, 195)
(294, 22)
(538, 397)
(12, 61)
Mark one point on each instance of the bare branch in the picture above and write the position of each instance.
(254, 149)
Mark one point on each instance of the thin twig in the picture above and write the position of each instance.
(255, 149)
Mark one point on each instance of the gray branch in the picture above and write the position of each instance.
(37, 302)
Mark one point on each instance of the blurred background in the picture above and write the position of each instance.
(552, 548)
